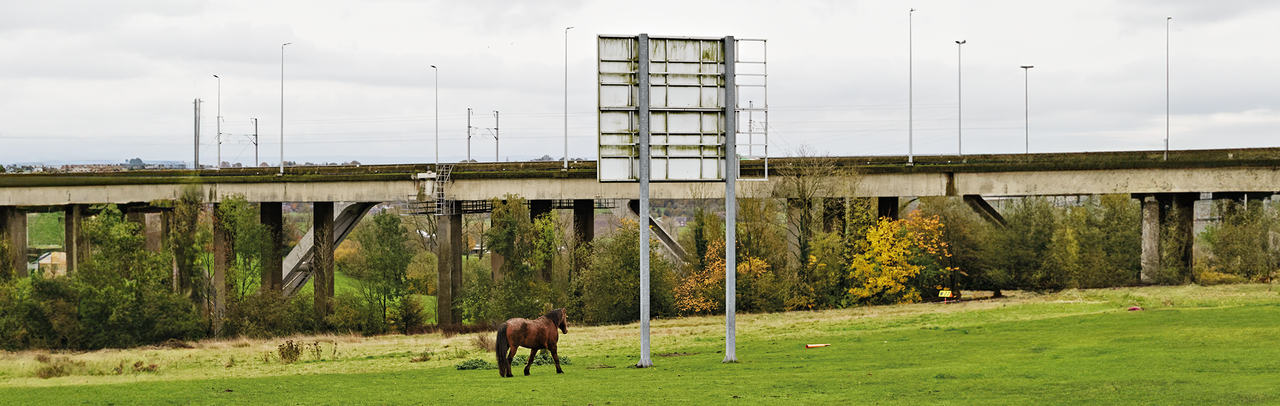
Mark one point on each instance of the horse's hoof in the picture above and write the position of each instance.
(559, 372)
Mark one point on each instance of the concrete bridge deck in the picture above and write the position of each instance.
(1163, 186)
(1235, 170)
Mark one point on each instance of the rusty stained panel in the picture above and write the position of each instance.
(687, 101)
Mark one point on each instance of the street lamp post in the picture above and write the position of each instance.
(437, 116)
(219, 123)
(959, 99)
(566, 97)
(1026, 102)
(282, 107)
(1167, 21)
(910, 92)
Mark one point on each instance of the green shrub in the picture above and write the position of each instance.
(611, 285)
(409, 315)
(475, 364)
(1241, 244)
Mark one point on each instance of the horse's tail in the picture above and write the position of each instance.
(500, 348)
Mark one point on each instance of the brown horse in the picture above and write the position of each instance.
(533, 334)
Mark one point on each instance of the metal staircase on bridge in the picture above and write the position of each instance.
(442, 177)
(297, 269)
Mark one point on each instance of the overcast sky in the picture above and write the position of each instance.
(84, 81)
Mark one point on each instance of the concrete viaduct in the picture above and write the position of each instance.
(449, 191)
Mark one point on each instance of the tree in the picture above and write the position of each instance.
(186, 239)
(883, 272)
(124, 290)
(1018, 251)
(611, 286)
(804, 182)
(386, 250)
(251, 242)
(1241, 244)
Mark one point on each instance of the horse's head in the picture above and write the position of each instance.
(561, 319)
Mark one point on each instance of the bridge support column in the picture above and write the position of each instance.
(495, 263)
(270, 214)
(887, 207)
(322, 258)
(222, 256)
(155, 240)
(449, 264)
(13, 224)
(799, 230)
(584, 232)
(73, 243)
(833, 214)
(538, 208)
(584, 220)
(1157, 209)
(1150, 239)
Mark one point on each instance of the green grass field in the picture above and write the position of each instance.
(1191, 345)
(45, 229)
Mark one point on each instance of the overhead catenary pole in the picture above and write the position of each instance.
(495, 136)
(196, 164)
(255, 142)
(642, 113)
(730, 200)
(282, 107)
(468, 134)
(566, 97)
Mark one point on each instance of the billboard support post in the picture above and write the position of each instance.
(730, 201)
(642, 113)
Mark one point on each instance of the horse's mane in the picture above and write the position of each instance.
(556, 316)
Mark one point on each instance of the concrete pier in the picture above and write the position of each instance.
(449, 264)
(271, 215)
(13, 224)
(322, 259)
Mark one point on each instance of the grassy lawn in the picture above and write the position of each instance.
(46, 229)
(1192, 345)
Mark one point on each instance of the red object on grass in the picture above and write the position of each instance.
(1135, 308)
(815, 345)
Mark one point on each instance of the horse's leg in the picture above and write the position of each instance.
(511, 355)
(556, 356)
(532, 354)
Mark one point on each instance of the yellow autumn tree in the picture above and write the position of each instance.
(696, 292)
(881, 274)
(932, 251)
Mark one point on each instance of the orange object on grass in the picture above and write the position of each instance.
(815, 345)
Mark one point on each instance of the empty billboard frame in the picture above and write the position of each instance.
(686, 109)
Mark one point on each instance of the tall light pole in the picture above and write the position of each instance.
(219, 126)
(566, 97)
(910, 92)
(1026, 102)
(959, 99)
(1167, 21)
(282, 107)
(437, 116)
